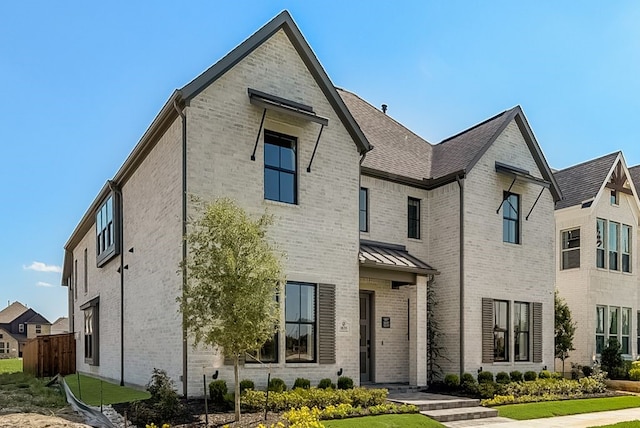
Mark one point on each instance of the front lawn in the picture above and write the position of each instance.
(630, 424)
(89, 391)
(11, 365)
(550, 409)
(385, 421)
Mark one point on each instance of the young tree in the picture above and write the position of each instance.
(565, 329)
(435, 350)
(232, 275)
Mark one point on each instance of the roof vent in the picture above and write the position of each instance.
(384, 108)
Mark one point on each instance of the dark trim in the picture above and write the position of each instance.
(520, 174)
(286, 109)
(618, 188)
(255, 94)
(382, 266)
(93, 302)
(185, 347)
(398, 247)
(460, 182)
(425, 183)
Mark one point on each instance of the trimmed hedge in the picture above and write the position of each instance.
(313, 397)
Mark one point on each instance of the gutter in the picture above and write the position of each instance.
(459, 180)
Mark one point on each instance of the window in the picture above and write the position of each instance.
(38, 329)
(106, 237)
(521, 327)
(269, 351)
(500, 330)
(570, 249)
(86, 283)
(600, 329)
(280, 181)
(511, 218)
(414, 218)
(601, 241)
(2, 348)
(614, 197)
(364, 209)
(75, 279)
(300, 322)
(20, 328)
(1, 336)
(625, 239)
(614, 229)
(626, 320)
(91, 332)
(614, 317)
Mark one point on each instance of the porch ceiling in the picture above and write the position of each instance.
(391, 257)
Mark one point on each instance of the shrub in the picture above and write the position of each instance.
(313, 397)
(326, 383)
(345, 382)
(467, 377)
(452, 381)
(545, 374)
(469, 384)
(485, 377)
(164, 404)
(503, 378)
(302, 383)
(612, 362)
(515, 376)
(530, 375)
(587, 371)
(217, 390)
(634, 372)
(277, 385)
(246, 384)
(487, 389)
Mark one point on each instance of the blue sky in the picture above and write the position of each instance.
(81, 81)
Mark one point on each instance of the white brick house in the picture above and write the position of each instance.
(597, 229)
(266, 126)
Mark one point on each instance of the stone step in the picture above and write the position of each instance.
(438, 404)
(460, 414)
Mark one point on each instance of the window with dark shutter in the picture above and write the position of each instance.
(327, 324)
(487, 330)
(537, 332)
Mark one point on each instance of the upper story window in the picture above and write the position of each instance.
(625, 239)
(20, 328)
(280, 166)
(413, 218)
(38, 328)
(511, 218)
(364, 209)
(613, 245)
(106, 227)
(614, 197)
(570, 249)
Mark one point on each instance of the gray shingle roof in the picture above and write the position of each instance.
(583, 181)
(12, 312)
(634, 172)
(396, 149)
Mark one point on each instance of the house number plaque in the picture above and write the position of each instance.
(386, 322)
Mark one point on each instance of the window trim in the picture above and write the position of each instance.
(365, 210)
(624, 336)
(516, 330)
(106, 254)
(94, 306)
(616, 253)
(629, 238)
(505, 330)
(605, 323)
(314, 323)
(604, 242)
(569, 249)
(515, 220)
(279, 169)
(415, 220)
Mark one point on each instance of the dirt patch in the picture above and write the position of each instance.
(36, 420)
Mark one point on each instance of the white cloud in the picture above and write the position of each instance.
(43, 284)
(42, 267)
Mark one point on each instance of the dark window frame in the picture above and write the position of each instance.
(413, 218)
(107, 220)
(86, 268)
(625, 338)
(522, 334)
(568, 239)
(256, 356)
(299, 322)
(614, 241)
(500, 331)
(363, 210)
(91, 332)
(508, 217)
(601, 315)
(602, 244)
(626, 234)
(277, 139)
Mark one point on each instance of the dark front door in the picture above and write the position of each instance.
(365, 337)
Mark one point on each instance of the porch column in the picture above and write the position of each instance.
(418, 332)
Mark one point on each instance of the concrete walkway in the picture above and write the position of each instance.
(574, 421)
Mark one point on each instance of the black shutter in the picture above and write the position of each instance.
(487, 330)
(327, 323)
(537, 332)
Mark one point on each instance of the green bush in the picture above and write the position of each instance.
(485, 377)
(634, 372)
(452, 381)
(467, 377)
(313, 397)
(468, 384)
(530, 375)
(164, 404)
(587, 370)
(246, 384)
(611, 361)
(277, 385)
(503, 378)
(487, 389)
(302, 383)
(345, 382)
(217, 390)
(515, 376)
(326, 383)
(544, 374)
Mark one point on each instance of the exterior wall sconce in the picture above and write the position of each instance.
(215, 375)
(340, 372)
(480, 369)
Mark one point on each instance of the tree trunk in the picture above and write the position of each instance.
(236, 372)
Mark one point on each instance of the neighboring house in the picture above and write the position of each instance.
(60, 326)
(18, 324)
(597, 230)
(364, 231)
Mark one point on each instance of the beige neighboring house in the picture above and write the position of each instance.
(364, 229)
(60, 326)
(597, 268)
(18, 324)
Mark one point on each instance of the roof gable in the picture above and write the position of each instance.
(285, 22)
(11, 312)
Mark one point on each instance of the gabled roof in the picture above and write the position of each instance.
(12, 312)
(397, 150)
(634, 172)
(582, 182)
(37, 319)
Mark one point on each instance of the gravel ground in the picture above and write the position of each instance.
(37, 420)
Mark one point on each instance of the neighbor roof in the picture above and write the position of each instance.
(583, 181)
(37, 319)
(634, 172)
(12, 312)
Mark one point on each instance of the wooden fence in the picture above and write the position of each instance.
(46, 356)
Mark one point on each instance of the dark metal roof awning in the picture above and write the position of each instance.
(392, 257)
(272, 102)
(520, 174)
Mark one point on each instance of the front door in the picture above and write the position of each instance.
(365, 337)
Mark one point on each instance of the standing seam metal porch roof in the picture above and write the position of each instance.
(392, 257)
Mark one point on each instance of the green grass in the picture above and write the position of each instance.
(550, 409)
(89, 391)
(22, 392)
(630, 424)
(385, 421)
(12, 365)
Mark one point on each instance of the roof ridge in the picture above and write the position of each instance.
(588, 162)
(477, 125)
(384, 114)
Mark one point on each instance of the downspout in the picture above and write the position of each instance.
(183, 116)
(459, 180)
(116, 189)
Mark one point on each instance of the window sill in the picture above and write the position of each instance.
(299, 365)
(414, 239)
(261, 366)
(513, 244)
(106, 256)
(501, 363)
(281, 204)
